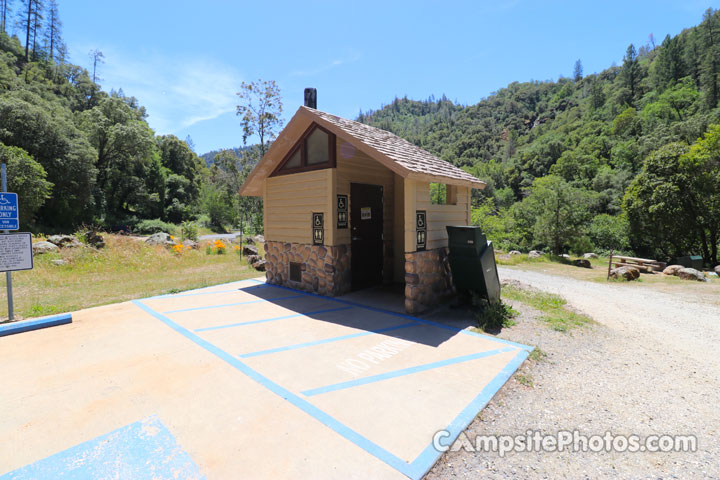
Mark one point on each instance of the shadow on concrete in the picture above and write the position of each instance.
(375, 310)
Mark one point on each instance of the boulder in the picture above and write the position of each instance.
(582, 262)
(259, 265)
(250, 240)
(44, 247)
(717, 269)
(672, 269)
(95, 240)
(190, 244)
(627, 273)
(691, 274)
(590, 255)
(514, 252)
(565, 255)
(252, 259)
(160, 238)
(534, 254)
(249, 250)
(59, 262)
(259, 239)
(65, 241)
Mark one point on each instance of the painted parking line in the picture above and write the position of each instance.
(397, 314)
(326, 340)
(327, 420)
(144, 449)
(233, 304)
(200, 291)
(283, 317)
(403, 371)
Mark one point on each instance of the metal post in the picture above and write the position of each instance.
(8, 275)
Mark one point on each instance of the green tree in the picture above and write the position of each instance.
(260, 111)
(630, 72)
(578, 71)
(28, 178)
(560, 212)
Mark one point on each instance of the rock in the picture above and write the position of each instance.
(95, 240)
(717, 269)
(590, 255)
(59, 262)
(260, 265)
(190, 244)
(259, 239)
(44, 247)
(250, 240)
(691, 274)
(565, 255)
(582, 262)
(672, 269)
(249, 250)
(252, 259)
(534, 254)
(514, 252)
(500, 257)
(628, 273)
(65, 241)
(160, 238)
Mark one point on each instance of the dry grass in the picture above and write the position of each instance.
(705, 292)
(126, 269)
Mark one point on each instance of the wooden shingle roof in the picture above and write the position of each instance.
(397, 154)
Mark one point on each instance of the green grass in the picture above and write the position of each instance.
(556, 314)
(524, 379)
(537, 355)
(126, 269)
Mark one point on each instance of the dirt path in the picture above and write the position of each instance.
(650, 366)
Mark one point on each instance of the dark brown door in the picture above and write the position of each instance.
(366, 227)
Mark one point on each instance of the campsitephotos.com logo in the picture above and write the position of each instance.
(565, 440)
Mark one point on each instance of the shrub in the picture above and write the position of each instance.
(189, 230)
(610, 233)
(148, 227)
(492, 317)
(581, 245)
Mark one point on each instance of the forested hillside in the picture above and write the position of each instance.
(78, 155)
(625, 159)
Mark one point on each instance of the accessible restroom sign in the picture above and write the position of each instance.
(9, 215)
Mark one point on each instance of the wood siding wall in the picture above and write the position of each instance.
(290, 200)
(439, 216)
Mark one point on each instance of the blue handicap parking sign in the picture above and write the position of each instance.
(9, 215)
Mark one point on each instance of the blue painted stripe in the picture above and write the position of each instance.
(403, 371)
(397, 314)
(35, 324)
(326, 340)
(144, 449)
(424, 462)
(252, 322)
(299, 402)
(233, 304)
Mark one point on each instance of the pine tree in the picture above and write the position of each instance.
(631, 71)
(53, 33)
(578, 71)
(4, 12)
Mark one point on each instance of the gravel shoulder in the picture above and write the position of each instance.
(648, 366)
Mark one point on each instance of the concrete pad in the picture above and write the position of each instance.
(265, 399)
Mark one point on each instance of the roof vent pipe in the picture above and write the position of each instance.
(311, 98)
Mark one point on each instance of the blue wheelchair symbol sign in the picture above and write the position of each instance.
(9, 215)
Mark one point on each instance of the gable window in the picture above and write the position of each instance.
(442, 194)
(314, 150)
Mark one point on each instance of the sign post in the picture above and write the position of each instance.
(9, 220)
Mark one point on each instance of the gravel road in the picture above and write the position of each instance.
(648, 367)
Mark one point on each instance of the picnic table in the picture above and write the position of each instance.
(645, 265)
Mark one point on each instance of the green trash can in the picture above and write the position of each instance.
(472, 262)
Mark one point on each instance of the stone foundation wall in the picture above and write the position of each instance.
(325, 270)
(428, 280)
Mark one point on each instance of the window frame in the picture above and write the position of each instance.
(301, 145)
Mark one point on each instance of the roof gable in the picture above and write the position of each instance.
(397, 154)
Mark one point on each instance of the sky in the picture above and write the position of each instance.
(185, 60)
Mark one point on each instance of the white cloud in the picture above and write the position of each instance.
(177, 92)
(328, 66)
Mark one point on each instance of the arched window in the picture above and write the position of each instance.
(314, 150)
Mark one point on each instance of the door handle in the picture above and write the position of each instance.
(354, 239)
